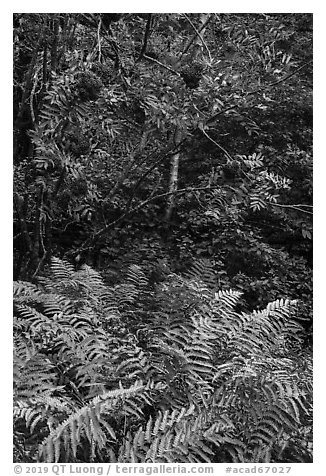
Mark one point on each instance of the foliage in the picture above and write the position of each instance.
(170, 373)
(113, 110)
(130, 345)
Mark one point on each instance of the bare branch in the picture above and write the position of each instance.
(218, 145)
(31, 98)
(29, 77)
(293, 207)
(146, 37)
(161, 159)
(263, 88)
(99, 39)
(87, 244)
(54, 46)
(212, 119)
(290, 75)
(161, 64)
(195, 36)
(198, 33)
(88, 19)
(285, 78)
(40, 264)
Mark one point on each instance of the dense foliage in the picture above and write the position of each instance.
(132, 373)
(168, 159)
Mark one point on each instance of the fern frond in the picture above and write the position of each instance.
(61, 269)
(136, 277)
(88, 422)
(203, 270)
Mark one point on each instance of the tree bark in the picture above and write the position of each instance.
(173, 186)
(175, 160)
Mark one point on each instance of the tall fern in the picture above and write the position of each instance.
(172, 374)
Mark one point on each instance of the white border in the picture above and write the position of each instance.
(319, 186)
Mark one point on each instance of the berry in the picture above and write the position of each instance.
(88, 86)
(192, 74)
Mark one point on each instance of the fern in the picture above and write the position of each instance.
(91, 423)
(127, 373)
(203, 270)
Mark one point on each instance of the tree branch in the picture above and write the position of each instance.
(146, 37)
(235, 106)
(151, 199)
(40, 264)
(99, 39)
(166, 153)
(87, 244)
(195, 36)
(293, 207)
(152, 167)
(54, 47)
(22, 221)
(212, 119)
(162, 65)
(29, 77)
(285, 78)
(198, 33)
(218, 145)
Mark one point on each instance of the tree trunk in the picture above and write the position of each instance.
(174, 169)
(173, 186)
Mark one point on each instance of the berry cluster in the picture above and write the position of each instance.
(88, 86)
(76, 143)
(192, 74)
(103, 72)
(137, 111)
(108, 18)
(78, 187)
(231, 170)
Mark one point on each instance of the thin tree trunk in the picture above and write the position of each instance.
(24, 100)
(174, 177)
(54, 48)
(25, 243)
(173, 186)
(174, 170)
(37, 230)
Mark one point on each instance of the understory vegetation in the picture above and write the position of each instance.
(162, 237)
(174, 373)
